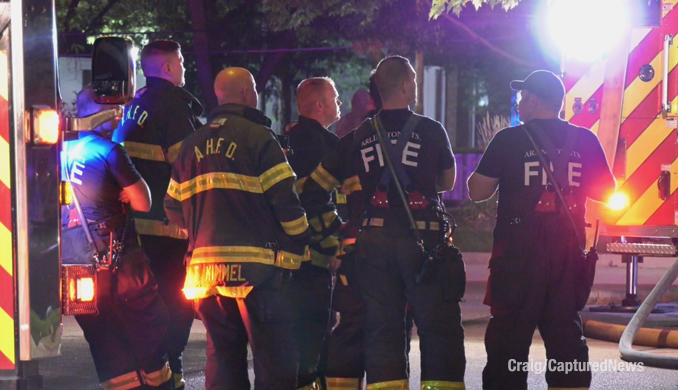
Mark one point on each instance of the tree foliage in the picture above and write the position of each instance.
(293, 39)
(440, 6)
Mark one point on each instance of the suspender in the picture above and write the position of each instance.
(395, 151)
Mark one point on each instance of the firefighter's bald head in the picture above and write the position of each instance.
(236, 86)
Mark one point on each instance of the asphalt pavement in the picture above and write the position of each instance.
(75, 370)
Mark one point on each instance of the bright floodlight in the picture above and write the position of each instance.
(587, 29)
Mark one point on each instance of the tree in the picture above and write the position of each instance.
(438, 7)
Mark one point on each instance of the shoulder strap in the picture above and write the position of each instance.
(545, 167)
(395, 151)
(401, 192)
(81, 214)
(558, 161)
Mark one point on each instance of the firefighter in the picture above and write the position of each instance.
(160, 117)
(534, 272)
(125, 338)
(233, 190)
(345, 358)
(388, 255)
(310, 140)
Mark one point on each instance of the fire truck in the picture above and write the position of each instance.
(618, 64)
(35, 288)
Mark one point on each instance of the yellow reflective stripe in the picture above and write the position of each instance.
(174, 190)
(247, 254)
(201, 282)
(647, 204)
(299, 185)
(352, 184)
(219, 180)
(205, 292)
(232, 254)
(152, 227)
(5, 173)
(275, 175)
(329, 242)
(329, 217)
(157, 378)
(324, 179)
(123, 382)
(341, 198)
(144, 151)
(594, 78)
(585, 87)
(638, 90)
(442, 385)
(289, 260)
(7, 331)
(392, 385)
(179, 380)
(646, 143)
(315, 224)
(230, 181)
(295, 227)
(173, 152)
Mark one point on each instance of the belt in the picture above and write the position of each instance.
(421, 225)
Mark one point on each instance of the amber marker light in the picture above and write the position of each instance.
(45, 126)
(618, 201)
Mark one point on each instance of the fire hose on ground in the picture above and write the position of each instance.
(627, 335)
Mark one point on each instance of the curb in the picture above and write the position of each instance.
(656, 338)
(606, 295)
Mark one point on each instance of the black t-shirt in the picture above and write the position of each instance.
(99, 170)
(510, 157)
(425, 155)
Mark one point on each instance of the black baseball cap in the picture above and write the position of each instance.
(542, 83)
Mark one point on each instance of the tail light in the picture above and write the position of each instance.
(79, 290)
(45, 126)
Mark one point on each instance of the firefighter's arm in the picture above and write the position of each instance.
(481, 187)
(277, 180)
(447, 167)
(139, 196)
(179, 123)
(446, 179)
(316, 195)
(173, 199)
(484, 182)
(601, 180)
(135, 191)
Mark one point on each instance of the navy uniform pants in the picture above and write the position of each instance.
(388, 260)
(265, 318)
(313, 290)
(167, 262)
(126, 337)
(533, 276)
(345, 367)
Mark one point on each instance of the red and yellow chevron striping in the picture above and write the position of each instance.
(7, 325)
(650, 142)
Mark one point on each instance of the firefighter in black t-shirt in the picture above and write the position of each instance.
(535, 268)
(161, 115)
(126, 336)
(388, 256)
